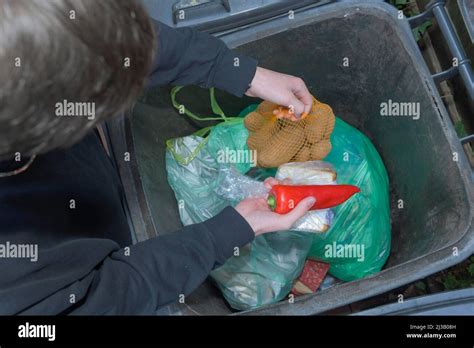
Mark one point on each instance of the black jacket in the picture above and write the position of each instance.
(68, 205)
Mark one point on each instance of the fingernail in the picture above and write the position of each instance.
(311, 201)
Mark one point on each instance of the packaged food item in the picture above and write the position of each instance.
(307, 173)
(279, 137)
(310, 278)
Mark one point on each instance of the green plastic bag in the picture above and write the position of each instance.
(358, 242)
(265, 270)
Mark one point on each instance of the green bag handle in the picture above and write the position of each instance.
(216, 109)
(204, 132)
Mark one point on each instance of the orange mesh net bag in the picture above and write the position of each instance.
(277, 139)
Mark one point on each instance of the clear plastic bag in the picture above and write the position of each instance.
(235, 187)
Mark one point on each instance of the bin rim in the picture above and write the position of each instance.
(447, 301)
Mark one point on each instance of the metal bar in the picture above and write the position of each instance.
(415, 21)
(436, 9)
(445, 74)
(455, 47)
(467, 139)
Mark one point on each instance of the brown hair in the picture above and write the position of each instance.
(81, 51)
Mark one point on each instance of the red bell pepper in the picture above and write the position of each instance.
(283, 198)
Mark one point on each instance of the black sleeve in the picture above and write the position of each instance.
(188, 57)
(107, 280)
(156, 272)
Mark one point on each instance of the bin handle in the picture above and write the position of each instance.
(467, 139)
(437, 9)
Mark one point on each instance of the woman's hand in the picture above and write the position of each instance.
(281, 89)
(260, 217)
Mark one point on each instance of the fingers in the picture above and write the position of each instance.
(292, 112)
(300, 102)
(302, 208)
(282, 89)
(302, 93)
(287, 113)
(269, 182)
(296, 106)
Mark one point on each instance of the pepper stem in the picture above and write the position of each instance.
(271, 202)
